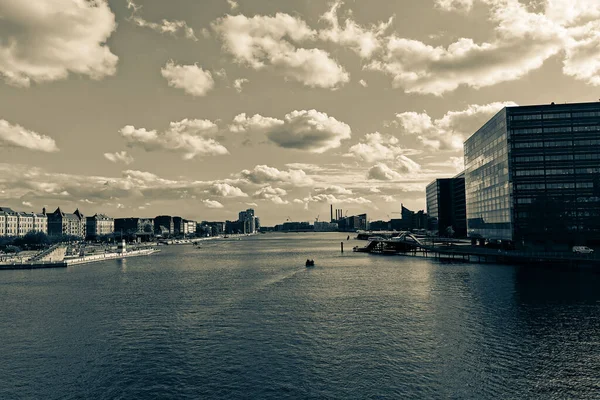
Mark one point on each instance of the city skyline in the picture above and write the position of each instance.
(212, 107)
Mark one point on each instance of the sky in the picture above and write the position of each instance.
(203, 108)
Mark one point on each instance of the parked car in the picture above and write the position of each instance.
(582, 250)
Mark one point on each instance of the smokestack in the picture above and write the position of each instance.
(331, 212)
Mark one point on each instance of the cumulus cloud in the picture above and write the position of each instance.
(308, 130)
(523, 41)
(119, 156)
(364, 41)
(363, 83)
(45, 40)
(212, 204)
(226, 190)
(377, 147)
(272, 194)
(17, 136)
(262, 174)
(239, 83)
(191, 78)
(382, 172)
(186, 136)
(270, 41)
(256, 123)
(450, 131)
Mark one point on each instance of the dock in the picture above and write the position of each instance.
(408, 245)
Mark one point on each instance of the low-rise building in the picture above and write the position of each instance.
(164, 225)
(99, 225)
(11, 221)
(40, 223)
(24, 223)
(64, 224)
(2, 223)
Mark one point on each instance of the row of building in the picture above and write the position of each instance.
(59, 223)
(532, 176)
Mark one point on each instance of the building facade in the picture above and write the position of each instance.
(532, 175)
(99, 225)
(446, 206)
(164, 225)
(64, 224)
(40, 223)
(24, 223)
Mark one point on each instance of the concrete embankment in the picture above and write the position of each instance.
(78, 260)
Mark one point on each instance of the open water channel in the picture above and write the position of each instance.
(246, 320)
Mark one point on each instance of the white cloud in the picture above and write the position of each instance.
(450, 131)
(377, 147)
(382, 172)
(262, 174)
(449, 5)
(226, 190)
(523, 41)
(334, 189)
(191, 78)
(307, 130)
(233, 5)
(310, 130)
(239, 83)
(120, 156)
(166, 26)
(186, 136)
(256, 123)
(331, 199)
(364, 41)
(388, 199)
(363, 83)
(272, 194)
(263, 41)
(17, 136)
(45, 40)
(455, 163)
(27, 204)
(212, 204)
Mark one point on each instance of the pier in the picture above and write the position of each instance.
(408, 245)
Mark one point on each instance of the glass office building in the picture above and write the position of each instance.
(446, 206)
(532, 174)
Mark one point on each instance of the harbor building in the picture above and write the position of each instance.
(99, 225)
(164, 225)
(247, 220)
(40, 222)
(532, 175)
(2, 223)
(62, 224)
(11, 221)
(24, 223)
(446, 206)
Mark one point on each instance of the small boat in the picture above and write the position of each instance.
(310, 263)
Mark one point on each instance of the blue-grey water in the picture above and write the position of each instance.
(246, 320)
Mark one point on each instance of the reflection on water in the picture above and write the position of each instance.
(246, 319)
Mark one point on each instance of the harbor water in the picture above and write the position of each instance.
(245, 319)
